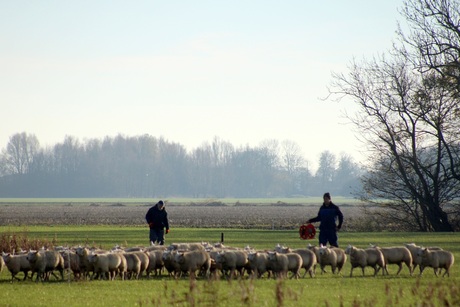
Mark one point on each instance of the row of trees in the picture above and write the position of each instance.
(145, 166)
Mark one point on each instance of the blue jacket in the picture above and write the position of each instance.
(328, 215)
(157, 219)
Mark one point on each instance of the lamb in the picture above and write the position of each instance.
(417, 260)
(396, 255)
(16, 264)
(44, 262)
(437, 259)
(333, 256)
(231, 261)
(308, 258)
(192, 261)
(108, 265)
(372, 257)
(259, 263)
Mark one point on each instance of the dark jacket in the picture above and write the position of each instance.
(328, 215)
(157, 219)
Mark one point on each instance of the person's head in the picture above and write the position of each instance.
(160, 205)
(327, 198)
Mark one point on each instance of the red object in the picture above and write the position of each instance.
(307, 232)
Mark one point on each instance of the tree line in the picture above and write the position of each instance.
(147, 166)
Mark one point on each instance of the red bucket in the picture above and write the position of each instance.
(307, 232)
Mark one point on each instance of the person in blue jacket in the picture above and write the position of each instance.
(157, 218)
(328, 215)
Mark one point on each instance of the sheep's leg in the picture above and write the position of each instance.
(400, 268)
(362, 268)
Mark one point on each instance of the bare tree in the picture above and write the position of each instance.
(407, 116)
(19, 153)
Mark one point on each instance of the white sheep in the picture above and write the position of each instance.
(396, 255)
(72, 262)
(278, 263)
(16, 264)
(133, 265)
(108, 265)
(416, 259)
(145, 260)
(372, 257)
(192, 261)
(86, 266)
(170, 263)
(333, 256)
(259, 263)
(156, 263)
(152, 266)
(437, 259)
(186, 246)
(2, 264)
(308, 258)
(44, 262)
(232, 261)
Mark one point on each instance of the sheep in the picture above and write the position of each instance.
(186, 246)
(308, 258)
(231, 261)
(396, 255)
(192, 261)
(108, 265)
(170, 263)
(259, 263)
(437, 259)
(16, 264)
(86, 266)
(156, 263)
(372, 257)
(295, 263)
(72, 262)
(145, 260)
(417, 260)
(44, 262)
(333, 256)
(2, 264)
(279, 264)
(155, 247)
(133, 265)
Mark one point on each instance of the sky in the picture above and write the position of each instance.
(187, 71)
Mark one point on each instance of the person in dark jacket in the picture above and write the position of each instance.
(328, 214)
(157, 218)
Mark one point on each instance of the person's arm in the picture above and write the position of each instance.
(166, 222)
(315, 219)
(340, 215)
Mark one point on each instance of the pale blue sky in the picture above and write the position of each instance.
(244, 71)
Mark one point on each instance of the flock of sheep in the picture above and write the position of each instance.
(218, 261)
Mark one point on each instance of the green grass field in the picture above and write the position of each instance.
(323, 290)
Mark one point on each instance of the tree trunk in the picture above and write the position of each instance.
(438, 219)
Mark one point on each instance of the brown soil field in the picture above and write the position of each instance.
(256, 216)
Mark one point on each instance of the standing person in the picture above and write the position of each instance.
(157, 218)
(328, 214)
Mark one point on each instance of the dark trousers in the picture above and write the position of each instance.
(328, 236)
(157, 235)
